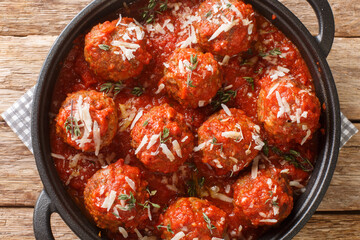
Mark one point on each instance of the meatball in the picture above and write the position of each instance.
(191, 77)
(87, 121)
(226, 27)
(113, 197)
(116, 50)
(266, 199)
(192, 218)
(162, 140)
(229, 141)
(289, 111)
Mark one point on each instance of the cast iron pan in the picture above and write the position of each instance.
(54, 198)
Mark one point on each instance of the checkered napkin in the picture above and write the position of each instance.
(18, 118)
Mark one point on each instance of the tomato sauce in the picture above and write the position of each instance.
(242, 73)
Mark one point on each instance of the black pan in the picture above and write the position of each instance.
(54, 198)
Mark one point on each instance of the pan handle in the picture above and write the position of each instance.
(41, 221)
(326, 20)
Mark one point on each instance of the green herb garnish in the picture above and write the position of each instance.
(168, 228)
(208, 223)
(137, 91)
(146, 123)
(193, 65)
(164, 135)
(250, 80)
(104, 47)
(71, 123)
(152, 8)
(131, 201)
(223, 96)
(110, 87)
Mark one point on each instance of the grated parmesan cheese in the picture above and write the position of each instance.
(109, 200)
(161, 87)
(178, 236)
(308, 133)
(167, 152)
(58, 156)
(97, 137)
(131, 183)
(142, 144)
(184, 139)
(153, 140)
(226, 109)
(177, 148)
(123, 232)
(137, 117)
(269, 220)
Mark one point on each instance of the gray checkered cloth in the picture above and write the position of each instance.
(18, 118)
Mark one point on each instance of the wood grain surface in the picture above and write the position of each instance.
(28, 29)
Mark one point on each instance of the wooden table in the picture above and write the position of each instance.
(28, 28)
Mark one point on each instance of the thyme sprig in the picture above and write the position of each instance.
(164, 136)
(104, 47)
(71, 123)
(250, 80)
(273, 52)
(153, 7)
(131, 201)
(114, 88)
(138, 91)
(168, 228)
(223, 96)
(293, 157)
(193, 65)
(208, 223)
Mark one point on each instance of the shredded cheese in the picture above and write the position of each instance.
(167, 152)
(177, 148)
(226, 109)
(123, 232)
(308, 133)
(142, 144)
(109, 200)
(131, 183)
(137, 117)
(97, 137)
(178, 236)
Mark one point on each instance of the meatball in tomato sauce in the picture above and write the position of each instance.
(192, 77)
(265, 199)
(87, 120)
(116, 50)
(162, 140)
(226, 27)
(192, 218)
(113, 197)
(289, 110)
(229, 141)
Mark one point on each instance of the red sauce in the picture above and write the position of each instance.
(243, 72)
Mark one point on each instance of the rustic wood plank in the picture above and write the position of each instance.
(20, 69)
(346, 15)
(23, 17)
(19, 170)
(16, 224)
(20, 183)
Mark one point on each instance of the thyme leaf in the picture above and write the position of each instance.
(223, 96)
(250, 80)
(137, 91)
(104, 47)
(164, 135)
(208, 223)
